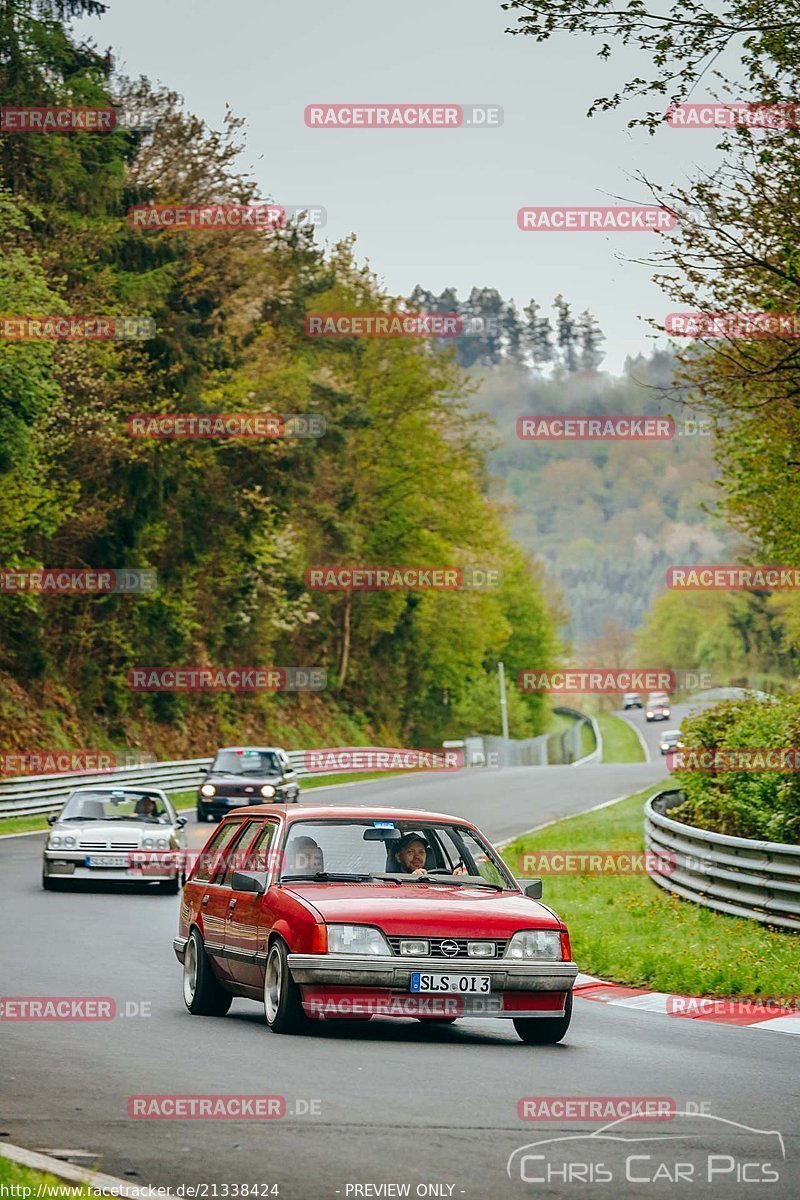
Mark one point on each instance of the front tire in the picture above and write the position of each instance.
(203, 994)
(544, 1031)
(202, 816)
(49, 884)
(282, 1005)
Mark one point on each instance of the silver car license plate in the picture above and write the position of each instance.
(461, 984)
(106, 860)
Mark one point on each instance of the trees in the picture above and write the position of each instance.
(230, 526)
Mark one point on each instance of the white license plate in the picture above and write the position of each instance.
(238, 802)
(462, 984)
(107, 860)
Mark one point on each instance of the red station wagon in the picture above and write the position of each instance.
(329, 912)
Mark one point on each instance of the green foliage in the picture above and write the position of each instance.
(229, 526)
(751, 804)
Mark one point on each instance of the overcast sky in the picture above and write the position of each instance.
(435, 206)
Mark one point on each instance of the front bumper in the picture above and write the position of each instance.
(356, 970)
(58, 865)
(179, 946)
(220, 806)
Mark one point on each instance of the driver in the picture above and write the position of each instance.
(303, 854)
(410, 854)
(146, 807)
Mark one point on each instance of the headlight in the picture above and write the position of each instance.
(149, 843)
(418, 946)
(535, 943)
(208, 789)
(268, 790)
(481, 949)
(356, 939)
(62, 841)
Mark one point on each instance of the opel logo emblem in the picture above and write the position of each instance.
(449, 948)
(248, 789)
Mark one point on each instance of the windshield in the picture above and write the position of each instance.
(409, 852)
(112, 806)
(246, 762)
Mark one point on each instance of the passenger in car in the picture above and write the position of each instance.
(304, 855)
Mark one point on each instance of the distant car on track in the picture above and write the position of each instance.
(117, 835)
(657, 708)
(670, 740)
(243, 775)
(321, 912)
(631, 700)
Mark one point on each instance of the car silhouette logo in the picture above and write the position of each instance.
(449, 948)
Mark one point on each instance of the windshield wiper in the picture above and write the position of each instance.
(81, 818)
(326, 877)
(460, 880)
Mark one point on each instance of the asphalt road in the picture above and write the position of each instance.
(389, 1102)
(652, 731)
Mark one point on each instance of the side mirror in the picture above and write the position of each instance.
(52, 818)
(203, 771)
(248, 883)
(181, 821)
(531, 887)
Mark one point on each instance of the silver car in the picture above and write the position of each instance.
(117, 835)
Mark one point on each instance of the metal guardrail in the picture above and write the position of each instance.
(573, 755)
(32, 795)
(744, 878)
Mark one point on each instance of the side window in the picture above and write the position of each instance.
(258, 856)
(235, 854)
(209, 857)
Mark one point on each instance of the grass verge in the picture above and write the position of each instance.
(627, 929)
(620, 743)
(38, 1183)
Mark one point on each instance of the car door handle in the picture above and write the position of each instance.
(232, 903)
(205, 901)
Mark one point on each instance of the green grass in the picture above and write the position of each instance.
(41, 1185)
(620, 743)
(627, 929)
(588, 743)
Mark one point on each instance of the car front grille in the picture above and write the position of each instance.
(87, 844)
(436, 946)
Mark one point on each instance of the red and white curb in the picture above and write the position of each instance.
(721, 1011)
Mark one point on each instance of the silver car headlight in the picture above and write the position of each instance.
(208, 789)
(535, 943)
(268, 790)
(62, 841)
(356, 939)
